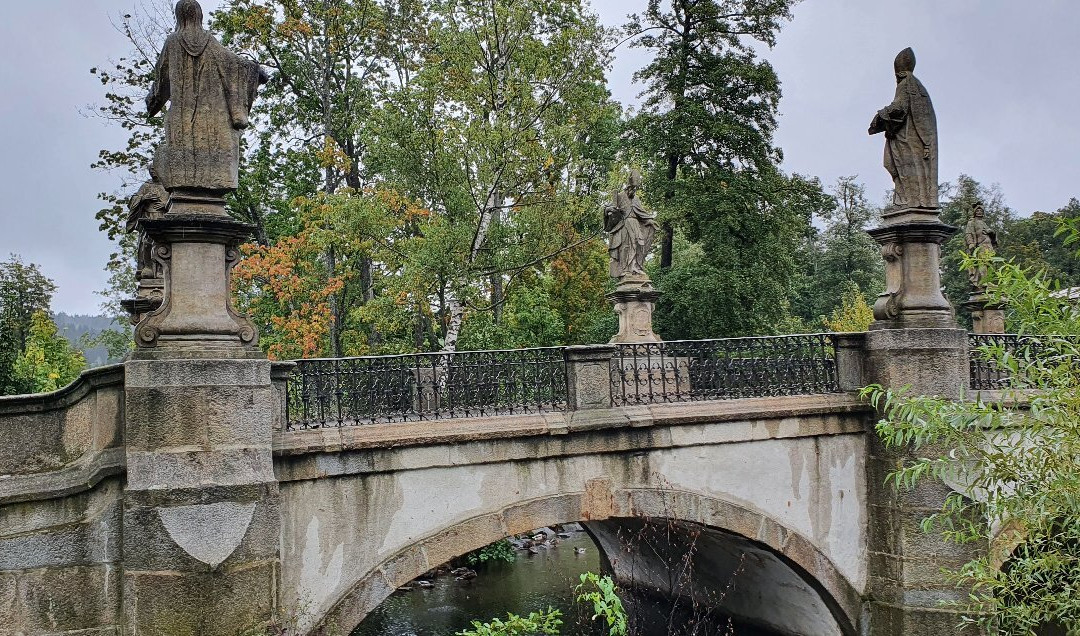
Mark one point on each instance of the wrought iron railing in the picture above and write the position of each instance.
(723, 369)
(987, 374)
(423, 386)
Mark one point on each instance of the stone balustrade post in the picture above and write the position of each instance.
(588, 376)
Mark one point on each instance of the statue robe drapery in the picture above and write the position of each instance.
(631, 230)
(911, 146)
(210, 91)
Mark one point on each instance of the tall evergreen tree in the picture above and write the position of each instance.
(705, 131)
(710, 103)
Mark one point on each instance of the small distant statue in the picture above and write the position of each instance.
(149, 203)
(210, 91)
(980, 241)
(631, 229)
(911, 146)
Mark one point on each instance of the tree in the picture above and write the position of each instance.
(843, 258)
(24, 292)
(710, 104)
(502, 129)
(1011, 458)
(48, 362)
(739, 274)
(853, 314)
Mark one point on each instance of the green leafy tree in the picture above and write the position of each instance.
(847, 257)
(48, 362)
(853, 314)
(24, 292)
(709, 111)
(503, 129)
(739, 276)
(1012, 459)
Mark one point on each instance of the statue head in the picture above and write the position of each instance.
(188, 15)
(153, 174)
(977, 210)
(633, 182)
(904, 64)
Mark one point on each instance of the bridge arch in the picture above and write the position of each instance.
(599, 504)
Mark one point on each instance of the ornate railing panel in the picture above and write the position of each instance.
(423, 386)
(986, 374)
(723, 369)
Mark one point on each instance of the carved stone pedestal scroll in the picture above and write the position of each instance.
(986, 316)
(910, 240)
(634, 300)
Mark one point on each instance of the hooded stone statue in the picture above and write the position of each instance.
(911, 147)
(631, 229)
(210, 91)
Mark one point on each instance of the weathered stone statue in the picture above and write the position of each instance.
(631, 229)
(149, 203)
(911, 146)
(210, 91)
(980, 241)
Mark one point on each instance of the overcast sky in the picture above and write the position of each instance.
(1002, 75)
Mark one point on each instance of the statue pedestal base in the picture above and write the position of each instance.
(196, 250)
(634, 300)
(986, 317)
(910, 240)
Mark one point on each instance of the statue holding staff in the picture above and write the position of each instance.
(911, 146)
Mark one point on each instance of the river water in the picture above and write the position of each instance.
(532, 582)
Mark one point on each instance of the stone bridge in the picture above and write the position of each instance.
(207, 495)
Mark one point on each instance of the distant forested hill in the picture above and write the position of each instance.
(74, 327)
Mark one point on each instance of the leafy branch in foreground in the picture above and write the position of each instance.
(543, 622)
(600, 591)
(1011, 458)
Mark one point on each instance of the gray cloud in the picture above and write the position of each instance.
(1001, 74)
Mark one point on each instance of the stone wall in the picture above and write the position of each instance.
(61, 507)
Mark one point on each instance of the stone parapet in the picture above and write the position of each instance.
(47, 432)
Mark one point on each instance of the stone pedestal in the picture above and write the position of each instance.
(986, 317)
(634, 300)
(195, 245)
(201, 519)
(910, 240)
